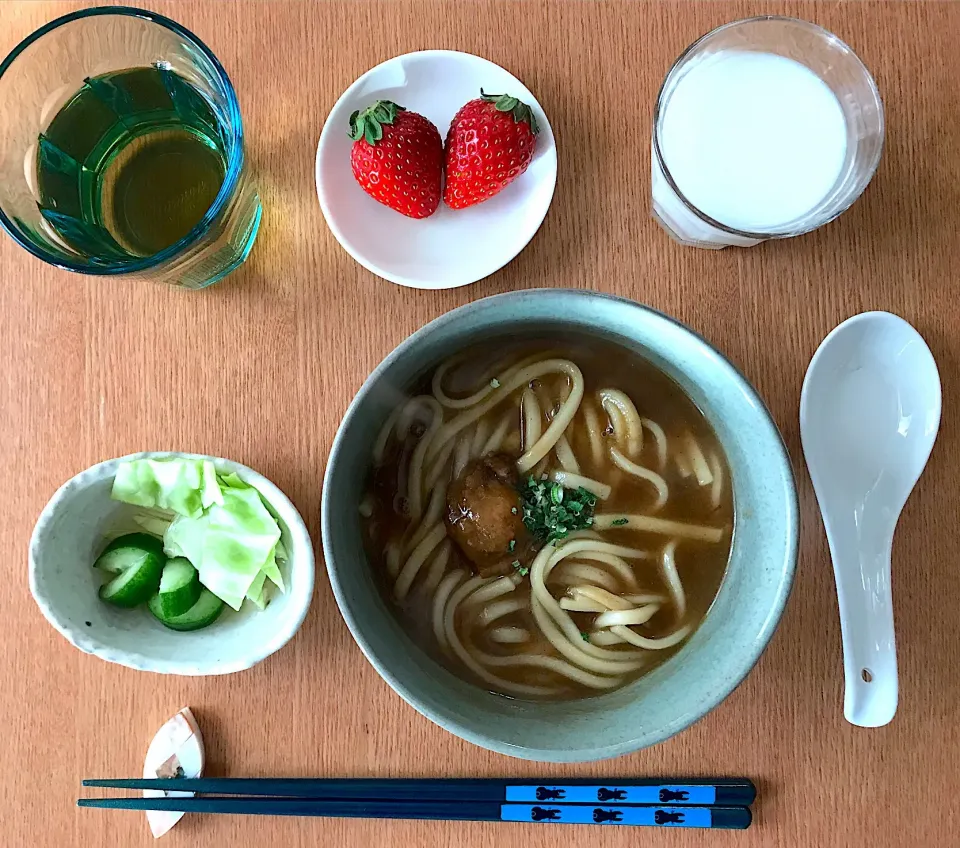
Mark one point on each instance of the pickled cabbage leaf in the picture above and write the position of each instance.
(210, 488)
(229, 543)
(233, 481)
(257, 594)
(184, 486)
(272, 570)
(221, 524)
(154, 525)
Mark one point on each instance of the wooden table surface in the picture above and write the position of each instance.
(261, 367)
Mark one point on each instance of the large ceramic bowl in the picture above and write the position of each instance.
(719, 654)
(69, 534)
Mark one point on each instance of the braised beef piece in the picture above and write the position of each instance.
(484, 515)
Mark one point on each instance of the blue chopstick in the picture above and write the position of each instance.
(730, 792)
(728, 818)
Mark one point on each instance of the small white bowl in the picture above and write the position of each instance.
(452, 247)
(70, 534)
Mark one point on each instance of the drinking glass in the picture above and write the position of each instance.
(133, 79)
(843, 73)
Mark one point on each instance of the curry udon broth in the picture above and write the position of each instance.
(550, 520)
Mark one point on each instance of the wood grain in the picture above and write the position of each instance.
(261, 367)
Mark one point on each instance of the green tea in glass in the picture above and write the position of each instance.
(123, 151)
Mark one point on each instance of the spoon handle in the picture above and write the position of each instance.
(861, 566)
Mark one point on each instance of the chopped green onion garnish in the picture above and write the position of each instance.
(550, 512)
(619, 522)
(495, 383)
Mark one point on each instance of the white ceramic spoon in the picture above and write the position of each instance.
(869, 413)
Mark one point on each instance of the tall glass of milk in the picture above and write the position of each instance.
(764, 128)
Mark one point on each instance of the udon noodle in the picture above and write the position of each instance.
(486, 452)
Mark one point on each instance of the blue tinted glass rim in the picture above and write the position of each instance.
(231, 178)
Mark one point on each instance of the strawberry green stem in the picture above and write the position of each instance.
(508, 103)
(368, 124)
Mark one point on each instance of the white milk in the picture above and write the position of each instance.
(753, 140)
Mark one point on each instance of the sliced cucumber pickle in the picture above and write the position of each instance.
(136, 584)
(126, 551)
(179, 587)
(203, 613)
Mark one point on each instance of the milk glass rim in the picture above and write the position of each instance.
(827, 36)
(231, 178)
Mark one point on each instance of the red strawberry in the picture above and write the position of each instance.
(489, 144)
(397, 158)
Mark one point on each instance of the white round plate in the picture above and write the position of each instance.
(452, 247)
